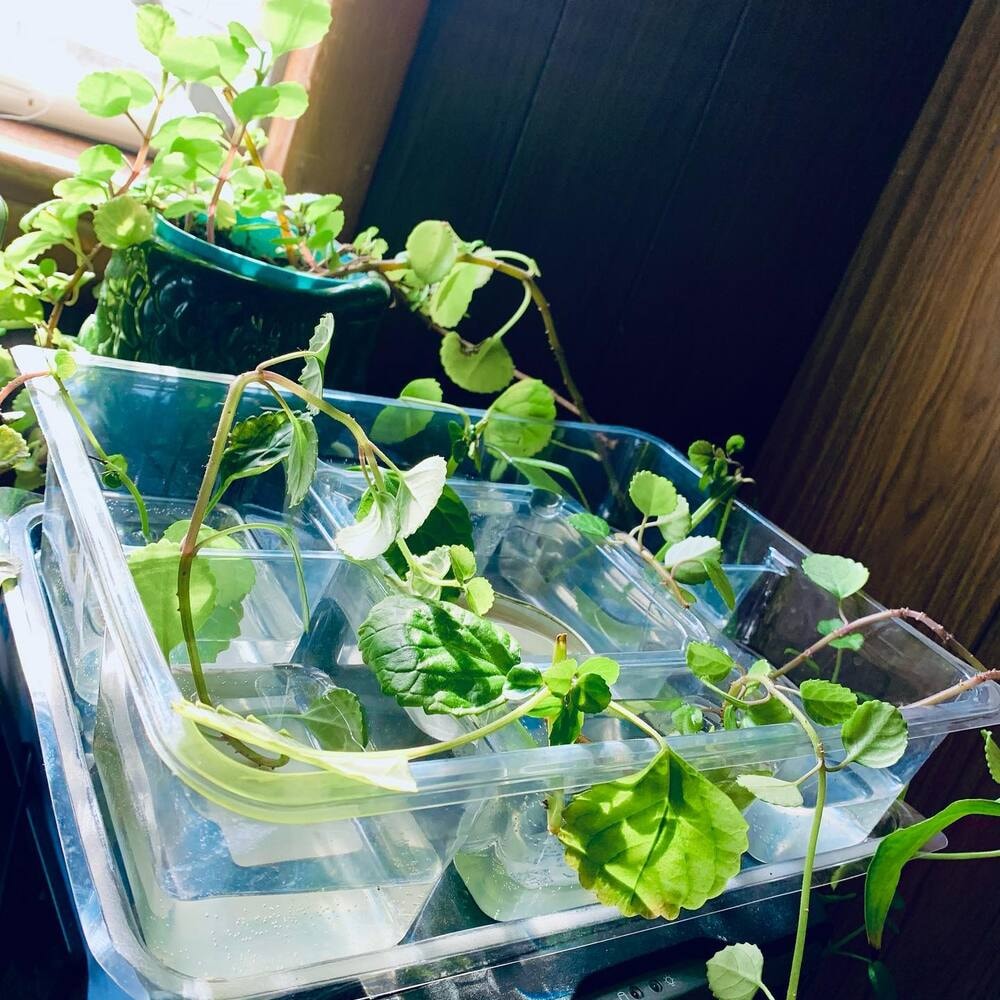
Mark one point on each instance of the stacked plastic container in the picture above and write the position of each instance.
(258, 881)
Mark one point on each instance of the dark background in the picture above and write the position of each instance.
(717, 160)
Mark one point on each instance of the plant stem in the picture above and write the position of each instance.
(550, 329)
(16, 383)
(623, 713)
(957, 855)
(943, 636)
(956, 689)
(477, 734)
(234, 145)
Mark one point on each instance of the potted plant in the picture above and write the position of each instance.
(678, 834)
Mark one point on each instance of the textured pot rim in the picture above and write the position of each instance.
(251, 269)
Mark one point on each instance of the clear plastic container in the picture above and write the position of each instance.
(511, 775)
(450, 940)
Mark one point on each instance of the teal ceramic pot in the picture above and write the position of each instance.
(178, 300)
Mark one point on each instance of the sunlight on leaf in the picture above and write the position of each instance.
(736, 972)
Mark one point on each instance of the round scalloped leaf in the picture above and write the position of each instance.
(708, 662)
(654, 495)
(590, 525)
(654, 842)
(837, 575)
(827, 703)
(736, 972)
(431, 249)
(153, 25)
(767, 788)
(294, 24)
(531, 401)
(875, 735)
(398, 423)
(123, 222)
(487, 367)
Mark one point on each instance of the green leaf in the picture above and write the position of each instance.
(104, 94)
(294, 24)
(689, 558)
(255, 445)
(853, 641)
(538, 473)
(19, 310)
(522, 681)
(234, 577)
(770, 789)
(654, 842)
(242, 35)
(319, 344)
(480, 596)
(899, 847)
(432, 249)
(300, 465)
(526, 400)
(434, 565)
(420, 489)
(382, 769)
(27, 247)
(13, 447)
(142, 90)
(398, 423)
(736, 972)
(10, 570)
(81, 190)
(372, 534)
(487, 367)
(590, 525)
(463, 561)
(675, 525)
(191, 59)
(717, 575)
(701, 454)
(255, 102)
(154, 570)
(13, 500)
(154, 26)
(293, 100)
(437, 656)
(64, 364)
(875, 734)
(736, 442)
(827, 703)
(123, 222)
(101, 163)
(992, 755)
(708, 662)
(453, 295)
(654, 495)
(337, 719)
(835, 574)
(687, 719)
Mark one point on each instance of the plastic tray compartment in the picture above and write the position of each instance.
(450, 937)
(778, 608)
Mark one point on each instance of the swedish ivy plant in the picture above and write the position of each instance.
(664, 838)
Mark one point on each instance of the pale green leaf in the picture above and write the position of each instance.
(675, 525)
(64, 364)
(19, 310)
(688, 557)
(81, 191)
(420, 489)
(452, 297)
(486, 367)
(479, 595)
(875, 734)
(654, 495)
(123, 222)
(319, 345)
(294, 24)
(708, 662)
(837, 575)
(293, 100)
(717, 575)
(191, 59)
(590, 525)
(303, 453)
(531, 404)
(654, 842)
(101, 163)
(398, 423)
(384, 769)
(27, 247)
(234, 577)
(370, 536)
(827, 703)
(13, 447)
(463, 562)
(433, 565)
(142, 90)
(437, 656)
(992, 755)
(853, 640)
(153, 26)
(899, 847)
(104, 94)
(337, 719)
(770, 789)
(688, 719)
(154, 569)
(255, 102)
(10, 569)
(736, 972)
(432, 248)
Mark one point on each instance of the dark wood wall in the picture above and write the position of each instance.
(692, 176)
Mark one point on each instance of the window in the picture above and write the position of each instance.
(49, 45)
